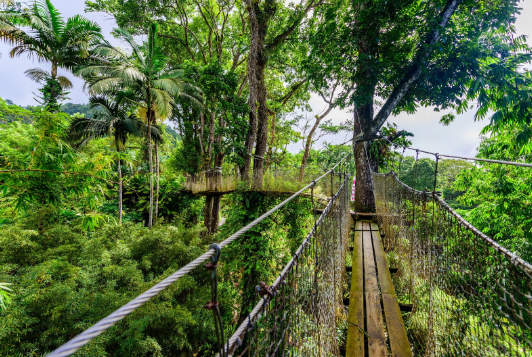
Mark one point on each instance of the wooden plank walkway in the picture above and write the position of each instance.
(370, 332)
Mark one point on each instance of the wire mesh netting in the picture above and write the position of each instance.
(300, 314)
(470, 296)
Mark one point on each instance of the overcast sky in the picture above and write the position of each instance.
(459, 138)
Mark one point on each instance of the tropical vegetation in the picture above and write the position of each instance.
(95, 198)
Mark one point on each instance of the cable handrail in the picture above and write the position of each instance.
(101, 326)
(503, 162)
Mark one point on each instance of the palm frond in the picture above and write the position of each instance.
(126, 36)
(195, 102)
(173, 73)
(56, 22)
(64, 82)
(162, 102)
(37, 75)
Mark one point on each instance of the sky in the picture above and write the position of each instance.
(460, 138)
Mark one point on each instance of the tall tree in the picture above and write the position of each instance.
(146, 74)
(262, 44)
(402, 54)
(111, 119)
(41, 32)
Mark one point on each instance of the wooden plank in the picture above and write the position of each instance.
(394, 321)
(355, 336)
(358, 226)
(357, 264)
(366, 225)
(370, 274)
(385, 279)
(376, 339)
(396, 328)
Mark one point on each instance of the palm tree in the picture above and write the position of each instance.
(49, 39)
(110, 120)
(146, 73)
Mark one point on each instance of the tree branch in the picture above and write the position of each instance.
(284, 99)
(413, 74)
(284, 35)
(182, 43)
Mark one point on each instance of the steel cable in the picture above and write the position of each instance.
(101, 326)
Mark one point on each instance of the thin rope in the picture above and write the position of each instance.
(513, 163)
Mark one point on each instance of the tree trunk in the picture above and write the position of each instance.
(262, 129)
(150, 158)
(157, 176)
(269, 155)
(215, 213)
(54, 70)
(210, 146)
(207, 212)
(258, 20)
(364, 195)
(308, 146)
(120, 191)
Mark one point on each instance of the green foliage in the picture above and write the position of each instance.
(260, 254)
(66, 281)
(38, 154)
(10, 112)
(5, 295)
(71, 108)
(420, 176)
(223, 107)
(498, 196)
(51, 94)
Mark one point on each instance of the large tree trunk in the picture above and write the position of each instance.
(254, 50)
(364, 195)
(262, 128)
(213, 177)
(258, 20)
(215, 213)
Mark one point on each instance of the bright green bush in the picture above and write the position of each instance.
(64, 281)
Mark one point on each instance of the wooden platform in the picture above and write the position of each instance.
(375, 325)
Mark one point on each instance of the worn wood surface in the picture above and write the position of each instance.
(355, 328)
(370, 273)
(396, 328)
(372, 293)
(376, 339)
(394, 321)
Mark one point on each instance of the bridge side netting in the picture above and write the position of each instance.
(470, 296)
(303, 313)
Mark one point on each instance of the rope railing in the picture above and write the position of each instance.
(300, 313)
(470, 296)
(101, 326)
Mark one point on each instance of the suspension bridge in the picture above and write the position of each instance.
(412, 279)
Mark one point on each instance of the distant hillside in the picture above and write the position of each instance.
(71, 108)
